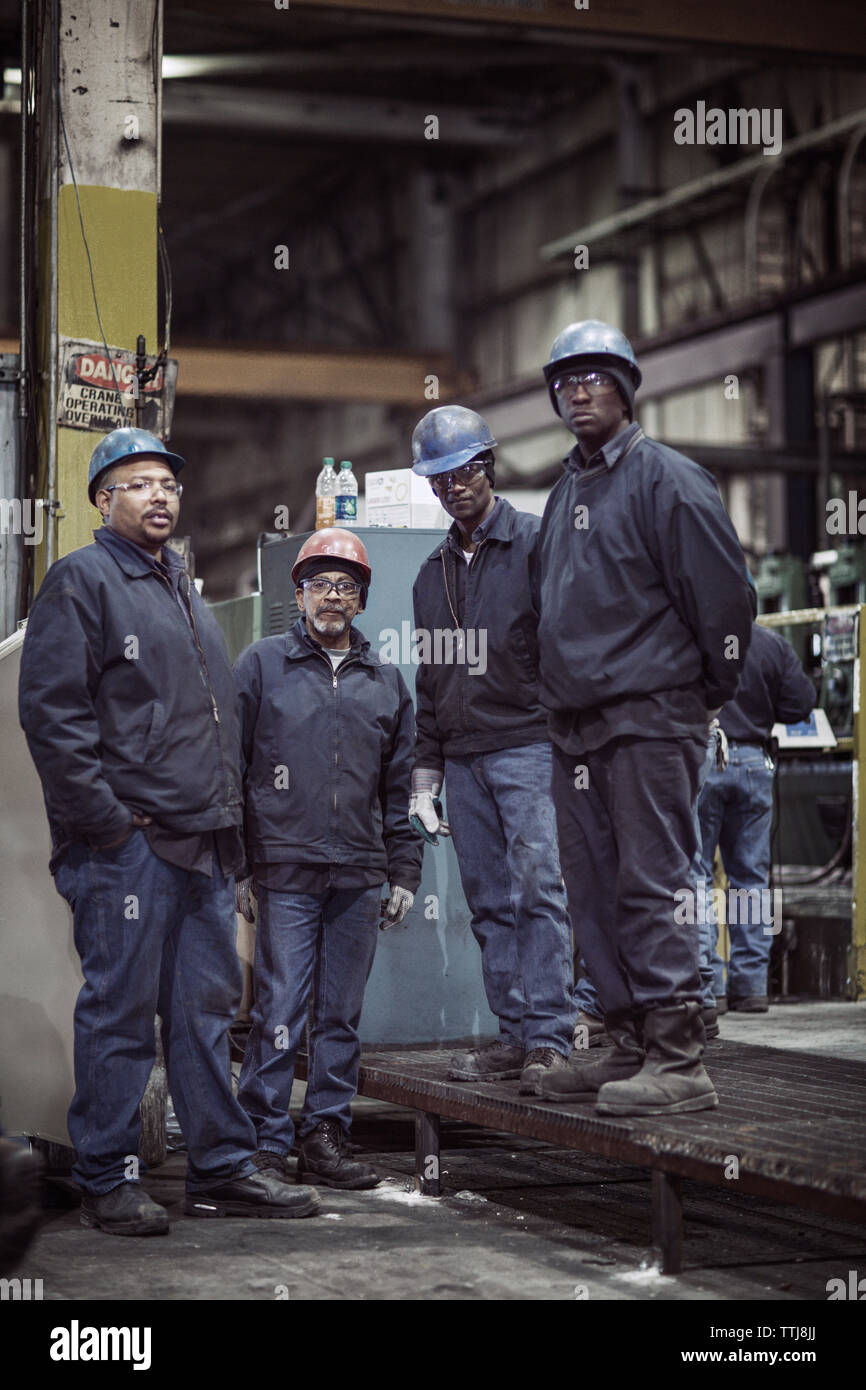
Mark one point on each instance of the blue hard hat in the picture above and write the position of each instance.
(123, 444)
(448, 437)
(604, 346)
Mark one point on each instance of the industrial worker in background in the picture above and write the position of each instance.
(328, 734)
(127, 700)
(735, 809)
(482, 729)
(645, 624)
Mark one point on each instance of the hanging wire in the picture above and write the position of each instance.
(87, 250)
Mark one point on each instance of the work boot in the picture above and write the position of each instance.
(496, 1061)
(749, 1004)
(325, 1156)
(20, 1202)
(580, 1080)
(540, 1061)
(269, 1162)
(672, 1080)
(264, 1194)
(711, 1022)
(594, 1034)
(124, 1211)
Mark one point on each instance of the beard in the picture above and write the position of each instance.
(330, 624)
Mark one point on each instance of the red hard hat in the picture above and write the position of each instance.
(334, 543)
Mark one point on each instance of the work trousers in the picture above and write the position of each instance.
(736, 813)
(586, 995)
(320, 942)
(627, 840)
(153, 938)
(502, 819)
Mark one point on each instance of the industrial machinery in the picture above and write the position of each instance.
(820, 951)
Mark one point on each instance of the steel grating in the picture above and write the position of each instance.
(795, 1123)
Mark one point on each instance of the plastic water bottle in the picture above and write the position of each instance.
(326, 489)
(347, 495)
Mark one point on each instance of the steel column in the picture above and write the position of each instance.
(668, 1220)
(427, 1154)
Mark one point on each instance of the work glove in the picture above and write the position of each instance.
(723, 755)
(394, 909)
(425, 808)
(244, 899)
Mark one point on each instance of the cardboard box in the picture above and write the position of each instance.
(398, 497)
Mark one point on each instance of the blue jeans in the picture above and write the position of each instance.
(501, 815)
(707, 923)
(586, 995)
(324, 942)
(736, 813)
(153, 938)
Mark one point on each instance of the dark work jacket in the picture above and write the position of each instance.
(774, 688)
(645, 591)
(459, 712)
(127, 704)
(327, 757)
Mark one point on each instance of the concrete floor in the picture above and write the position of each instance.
(520, 1221)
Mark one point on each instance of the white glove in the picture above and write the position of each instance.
(723, 755)
(244, 898)
(394, 909)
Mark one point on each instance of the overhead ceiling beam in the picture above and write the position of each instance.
(648, 211)
(348, 117)
(833, 27)
(286, 375)
(694, 357)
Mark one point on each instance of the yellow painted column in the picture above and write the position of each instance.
(105, 56)
(121, 233)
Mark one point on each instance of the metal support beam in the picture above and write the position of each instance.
(668, 1220)
(707, 269)
(640, 216)
(349, 118)
(283, 375)
(826, 29)
(695, 357)
(432, 250)
(632, 164)
(427, 1154)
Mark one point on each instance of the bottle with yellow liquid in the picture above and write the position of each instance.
(326, 495)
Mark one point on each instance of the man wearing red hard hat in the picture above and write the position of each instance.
(328, 733)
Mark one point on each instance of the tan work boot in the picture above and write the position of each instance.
(672, 1080)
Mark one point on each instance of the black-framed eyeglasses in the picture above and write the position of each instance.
(441, 482)
(143, 487)
(594, 383)
(346, 588)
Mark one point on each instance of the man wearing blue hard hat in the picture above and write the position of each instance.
(645, 624)
(128, 703)
(482, 730)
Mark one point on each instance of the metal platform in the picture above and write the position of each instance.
(789, 1126)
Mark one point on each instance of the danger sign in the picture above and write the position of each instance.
(89, 383)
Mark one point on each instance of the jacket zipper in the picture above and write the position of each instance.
(334, 671)
(204, 666)
(461, 635)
